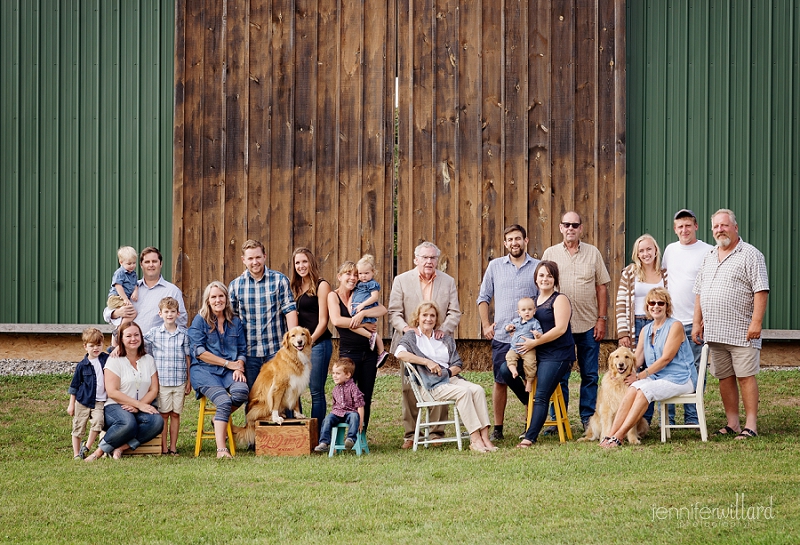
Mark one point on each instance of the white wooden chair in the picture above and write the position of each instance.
(695, 397)
(424, 403)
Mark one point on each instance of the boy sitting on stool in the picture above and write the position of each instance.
(348, 406)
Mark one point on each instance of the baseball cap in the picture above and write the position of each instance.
(684, 213)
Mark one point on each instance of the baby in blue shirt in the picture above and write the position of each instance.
(524, 327)
(366, 295)
(124, 288)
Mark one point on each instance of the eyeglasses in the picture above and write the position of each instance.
(570, 224)
(657, 303)
(428, 257)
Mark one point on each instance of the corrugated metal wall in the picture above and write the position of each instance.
(713, 99)
(86, 114)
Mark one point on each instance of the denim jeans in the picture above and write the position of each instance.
(331, 421)
(689, 409)
(320, 360)
(548, 375)
(502, 375)
(588, 354)
(131, 428)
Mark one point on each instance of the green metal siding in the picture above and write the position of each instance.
(713, 97)
(85, 149)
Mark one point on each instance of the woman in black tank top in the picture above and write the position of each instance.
(351, 344)
(311, 294)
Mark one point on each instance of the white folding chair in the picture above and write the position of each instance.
(424, 402)
(696, 397)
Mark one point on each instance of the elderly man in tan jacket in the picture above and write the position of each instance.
(422, 283)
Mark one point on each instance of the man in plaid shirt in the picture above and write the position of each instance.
(262, 299)
(731, 297)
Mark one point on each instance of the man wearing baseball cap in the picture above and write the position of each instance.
(683, 259)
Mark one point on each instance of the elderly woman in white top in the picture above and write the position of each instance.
(439, 366)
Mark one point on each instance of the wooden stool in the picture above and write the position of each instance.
(560, 408)
(207, 409)
(337, 441)
(152, 447)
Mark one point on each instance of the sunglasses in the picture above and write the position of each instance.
(570, 224)
(657, 303)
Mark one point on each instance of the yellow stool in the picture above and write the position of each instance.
(207, 409)
(560, 408)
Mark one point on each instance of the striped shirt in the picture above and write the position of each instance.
(147, 305)
(507, 284)
(262, 306)
(727, 293)
(170, 351)
(579, 275)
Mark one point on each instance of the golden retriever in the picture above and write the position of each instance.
(621, 363)
(279, 384)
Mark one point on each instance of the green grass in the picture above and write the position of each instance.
(551, 493)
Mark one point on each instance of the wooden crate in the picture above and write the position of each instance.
(292, 438)
(152, 447)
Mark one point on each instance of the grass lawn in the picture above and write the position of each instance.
(551, 493)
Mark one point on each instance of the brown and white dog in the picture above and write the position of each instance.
(621, 363)
(279, 384)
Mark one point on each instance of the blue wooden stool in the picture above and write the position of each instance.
(337, 441)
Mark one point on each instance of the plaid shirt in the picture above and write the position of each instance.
(347, 398)
(262, 306)
(579, 276)
(170, 351)
(726, 293)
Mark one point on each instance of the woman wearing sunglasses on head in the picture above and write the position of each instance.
(670, 371)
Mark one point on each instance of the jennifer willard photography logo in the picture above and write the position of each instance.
(697, 514)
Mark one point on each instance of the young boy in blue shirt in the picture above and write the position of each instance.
(87, 393)
(169, 346)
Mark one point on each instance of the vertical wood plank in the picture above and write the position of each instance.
(405, 62)
(610, 229)
(468, 158)
(376, 187)
(515, 122)
(446, 56)
(213, 143)
(279, 243)
(563, 111)
(327, 141)
(540, 182)
(236, 87)
(420, 186)
(389, 78)
(351, 106)
(259, 147)
(305, 116)
(492, 201)
(178, 142)
(586, 125)
(620, 166)
(193, 186)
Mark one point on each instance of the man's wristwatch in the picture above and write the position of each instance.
(603, 318)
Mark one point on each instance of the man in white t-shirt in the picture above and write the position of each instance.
(683, 259)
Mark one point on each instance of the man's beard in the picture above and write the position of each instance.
(516, 251)
(723, 241)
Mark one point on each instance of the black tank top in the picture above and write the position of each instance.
(308, 313)
(350, 341)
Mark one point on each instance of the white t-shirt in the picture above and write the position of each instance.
(640, 291)
(132, 382)
(100, 393)
(682, 262)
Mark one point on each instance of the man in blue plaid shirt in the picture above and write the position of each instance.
(262, 298)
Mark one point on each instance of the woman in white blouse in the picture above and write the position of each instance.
(131, 382)
(439, 366)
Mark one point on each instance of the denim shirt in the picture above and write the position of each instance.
(230, 345)
(681, 368)
(84, 381)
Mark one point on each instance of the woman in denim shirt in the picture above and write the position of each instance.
(218, 349)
